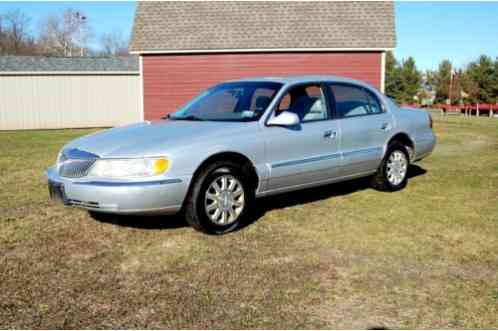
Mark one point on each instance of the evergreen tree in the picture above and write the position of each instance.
(441, 81)
(495, 80)
(482, 73)
(410, 78)
(392, 84)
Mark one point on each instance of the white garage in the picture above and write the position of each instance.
(52, 93)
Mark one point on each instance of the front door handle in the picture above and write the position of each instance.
(385, 127)
(329, 134)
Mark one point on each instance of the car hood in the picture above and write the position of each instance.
(153, 138)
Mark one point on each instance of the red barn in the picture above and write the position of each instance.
(185, 47)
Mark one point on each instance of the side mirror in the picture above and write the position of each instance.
(286, 118)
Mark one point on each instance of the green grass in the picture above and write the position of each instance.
(341, 256)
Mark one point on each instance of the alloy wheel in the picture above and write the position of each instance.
(396, 168)
(224, 200)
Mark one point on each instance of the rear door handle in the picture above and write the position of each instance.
(329, 134)
(385, 127)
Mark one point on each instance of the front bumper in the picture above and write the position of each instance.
(163, 196)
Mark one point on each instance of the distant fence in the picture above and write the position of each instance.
(468, 109)
(51, 100)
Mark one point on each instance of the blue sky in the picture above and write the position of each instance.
(429, 31)
(103, 16)
(459, 31)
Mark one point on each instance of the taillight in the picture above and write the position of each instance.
(430, 121)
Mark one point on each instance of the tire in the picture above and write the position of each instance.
(201, 208)
(383, 180)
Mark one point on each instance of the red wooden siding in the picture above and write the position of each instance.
(172, 80)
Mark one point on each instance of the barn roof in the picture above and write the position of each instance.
(68, 64)
(197, 26)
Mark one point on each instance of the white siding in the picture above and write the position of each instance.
(68, 100)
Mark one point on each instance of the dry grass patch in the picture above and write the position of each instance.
(342, 256)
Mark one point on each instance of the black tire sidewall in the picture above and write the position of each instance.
(395, 147)
(212, 172)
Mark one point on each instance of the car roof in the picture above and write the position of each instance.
(300, 79)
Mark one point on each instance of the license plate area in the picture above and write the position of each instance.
(56, 191)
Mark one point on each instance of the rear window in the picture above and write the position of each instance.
(353, 101)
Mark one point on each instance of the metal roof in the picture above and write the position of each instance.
(68, 64)
(204, 26)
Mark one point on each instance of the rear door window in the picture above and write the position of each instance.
(351, 101)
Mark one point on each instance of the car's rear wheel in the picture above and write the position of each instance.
(220, 199)
(393, 172)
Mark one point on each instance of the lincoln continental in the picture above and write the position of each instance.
(239, 141)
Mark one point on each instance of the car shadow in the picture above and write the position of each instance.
(314, 194)
(156, 222)
(263, 205)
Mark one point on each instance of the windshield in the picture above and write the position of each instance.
(238, 101)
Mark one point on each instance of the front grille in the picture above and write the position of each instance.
(75, 163)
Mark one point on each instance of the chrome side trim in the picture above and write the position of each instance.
(114, 184)
(307, 160)
(313, 184)
(326, 157)
(363, 151)
(114, 209)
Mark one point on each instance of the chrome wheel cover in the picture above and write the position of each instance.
(224, 200)
(396, 168)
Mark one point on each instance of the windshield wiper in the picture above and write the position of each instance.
(186, 118)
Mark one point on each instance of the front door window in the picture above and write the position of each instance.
(307, 102)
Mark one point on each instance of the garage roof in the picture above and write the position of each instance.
(68, 64)
(210, 26)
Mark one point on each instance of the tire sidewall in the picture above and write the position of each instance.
(395, 147)
(214, 171)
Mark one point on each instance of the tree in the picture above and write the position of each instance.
(410, 79)
(470, 88)
(441, 81)
(482, 72)
(113, 43)
(14, 34)
(495, 80)
(66, 35)
(403, 80)
(392, 84)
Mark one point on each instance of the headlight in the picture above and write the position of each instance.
(128, 168)
(59, 157)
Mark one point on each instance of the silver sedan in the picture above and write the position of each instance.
(239, 141)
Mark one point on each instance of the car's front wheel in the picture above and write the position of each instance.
(220, 199)
(393, 172)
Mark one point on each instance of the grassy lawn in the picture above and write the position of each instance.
(342, 256)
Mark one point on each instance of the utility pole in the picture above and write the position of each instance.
(451, 83)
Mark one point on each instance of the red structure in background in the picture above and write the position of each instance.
(169, 81)
(467, 109)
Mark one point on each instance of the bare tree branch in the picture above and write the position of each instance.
(113, 43)
(14, 34)
(66, 35)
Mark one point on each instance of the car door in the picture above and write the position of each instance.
(308, 152)
(364, 126)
